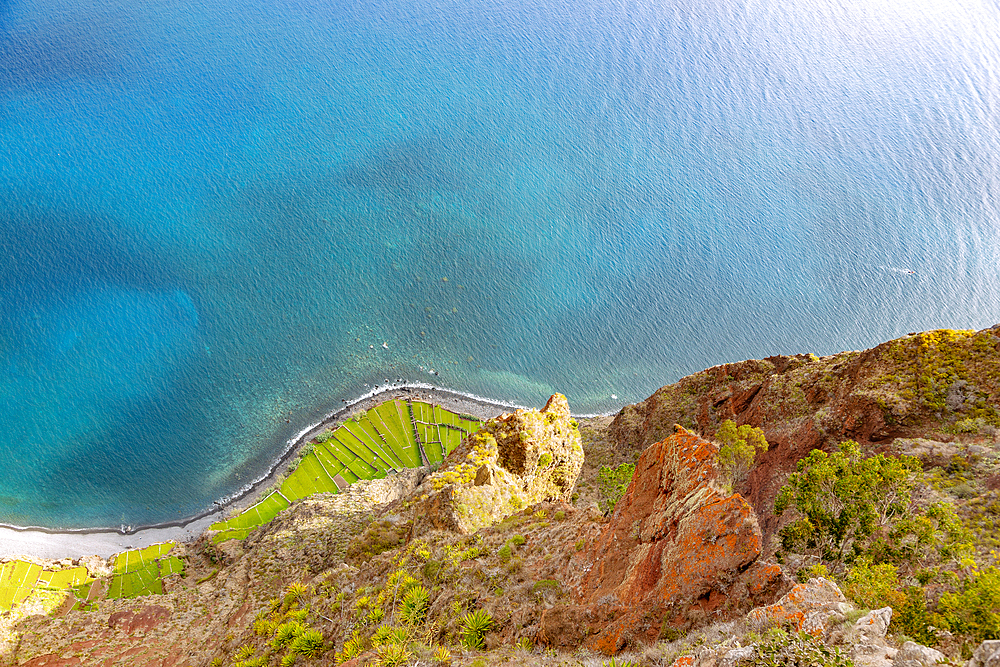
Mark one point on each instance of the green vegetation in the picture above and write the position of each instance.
(846, 503)
(778, 648)
(973, 609)
(309, 643)
(391, 436)
(475, 625)
(612, 484)
(413, 608)
(141, 571)
(17, 581)
(738, 446)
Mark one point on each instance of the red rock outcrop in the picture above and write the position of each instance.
(803, 402)
(678, 550)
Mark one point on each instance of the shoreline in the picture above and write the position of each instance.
(53, 543)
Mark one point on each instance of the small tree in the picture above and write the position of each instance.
(612, 483)
(738, 445)
(845, 502)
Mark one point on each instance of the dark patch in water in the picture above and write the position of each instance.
(55, 52)
(63, 250)
(404, 167)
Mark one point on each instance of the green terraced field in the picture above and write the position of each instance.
(391, 436)
(141, 571)
(19, 579)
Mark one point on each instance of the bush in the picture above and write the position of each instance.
(911, 617)
(844, 501)
(475, 625)
(975, 609)
(874, 586)
(612, 484)
(779, 648)
(738, 446)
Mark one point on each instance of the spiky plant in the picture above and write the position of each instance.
(352, 648)
(442, 655)
(295, 592)
(413, 608)
(393, 655)
(244, 652)
(286, 634)
(475, 625)
(309, 643)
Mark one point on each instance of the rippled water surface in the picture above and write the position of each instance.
(221, 218)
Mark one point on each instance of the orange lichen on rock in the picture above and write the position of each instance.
(679, 548)
(808, 607)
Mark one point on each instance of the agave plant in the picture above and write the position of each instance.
(392, 655)
(286, 634)
(413, 608)
(309, 643)
(474, 626)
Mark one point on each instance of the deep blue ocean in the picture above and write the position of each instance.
(214, 213)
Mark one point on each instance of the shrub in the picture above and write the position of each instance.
(475, 625)
(518, 540)
(874, 586)
(413, 608)
(309, 644)
(844, 501)
(431, 569)
(911, 618)
(504, 553)
(974, 610)
(738, 446)
(612, 484)
(778, 648)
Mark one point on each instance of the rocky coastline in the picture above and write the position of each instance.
(550, 539)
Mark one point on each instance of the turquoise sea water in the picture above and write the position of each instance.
(213, 213)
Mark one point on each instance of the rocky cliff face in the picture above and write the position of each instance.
(499, 529)
(910, 387)
(678, 552)
(518, 459)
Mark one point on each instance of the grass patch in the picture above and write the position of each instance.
(367, 447)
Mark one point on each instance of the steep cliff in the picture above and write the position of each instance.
(501, 555)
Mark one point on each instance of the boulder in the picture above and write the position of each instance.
(735, 656)
(678, 550)
(516, 460)
(987, 655)
(874, 624)
(872, 655)
(811, 607)
(912, 654)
